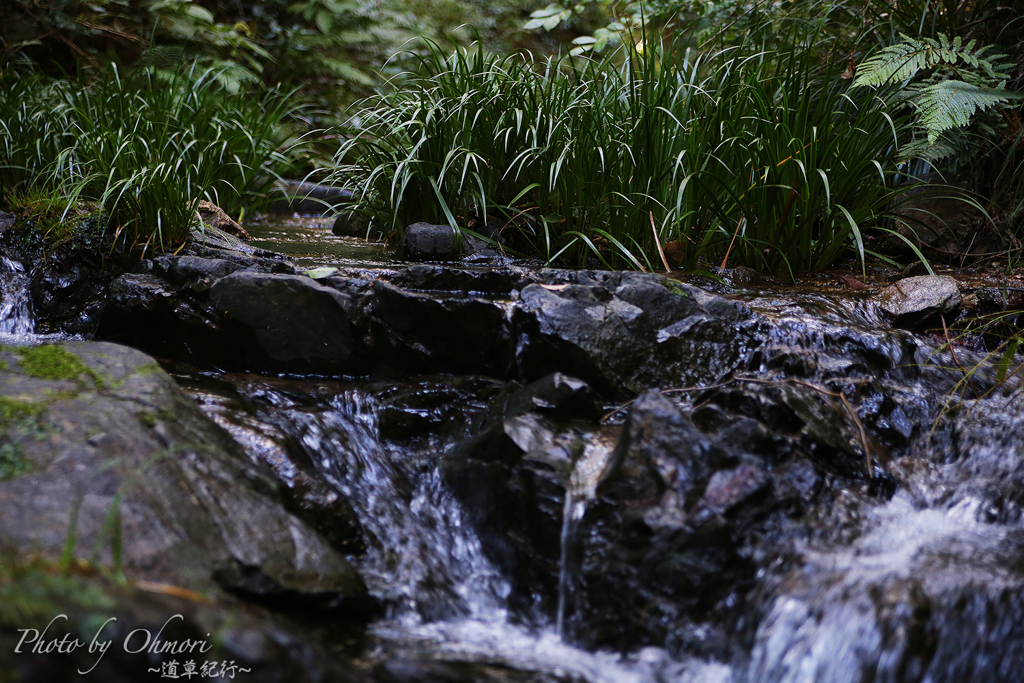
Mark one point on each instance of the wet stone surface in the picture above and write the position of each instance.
(913, 300)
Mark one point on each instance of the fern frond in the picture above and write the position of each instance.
(903, 60)
(897, 62)
(951, 104)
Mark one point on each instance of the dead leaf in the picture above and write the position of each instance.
(853, 283)
(851, 69)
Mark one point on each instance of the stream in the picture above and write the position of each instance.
(814, 547)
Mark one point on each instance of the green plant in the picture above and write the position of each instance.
(763, 156)
(947, 83)
(145, 148)
(13, 462)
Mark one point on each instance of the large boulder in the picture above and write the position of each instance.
(103, 456)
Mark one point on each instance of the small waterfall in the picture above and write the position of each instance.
(594, 462)
(573, 512)
(15, 304)
(421, 557)
(447, 602)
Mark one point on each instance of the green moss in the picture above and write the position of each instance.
(148, 369)
(12, 409)
(13, 462)
(146, 418)
(62, 395)
(675, 288)
(3, 365)
(166, 415)
(54, 362)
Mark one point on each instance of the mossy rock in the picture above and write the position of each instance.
(104, 456)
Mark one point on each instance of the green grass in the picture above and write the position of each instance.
(761, 153)
(143, 148)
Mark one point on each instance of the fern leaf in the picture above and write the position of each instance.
(951, 104)
(903, 60)
(894, 63)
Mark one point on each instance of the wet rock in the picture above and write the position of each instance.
(212, 242)
(68, 287)
(437, 410)
(149, 312)
(426, 242)
(911, 301)
(295, 322)
(663, 457)
(194, 271)
(497, 282)
(728, 489)
(512, 480)
(304, 491)
(113, 444)
(423, 332)
(6, 221)
(802, 419)
(625, 332)
(557, 394)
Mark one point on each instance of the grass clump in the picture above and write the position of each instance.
(760, 154)
(53, 362)
(143, 148)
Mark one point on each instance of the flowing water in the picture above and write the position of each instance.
(309, 243)
(444, 598)
(15, 304)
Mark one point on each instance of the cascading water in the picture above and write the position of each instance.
(421, 558)
(15, 305)
(594, 460)
(444, 597)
